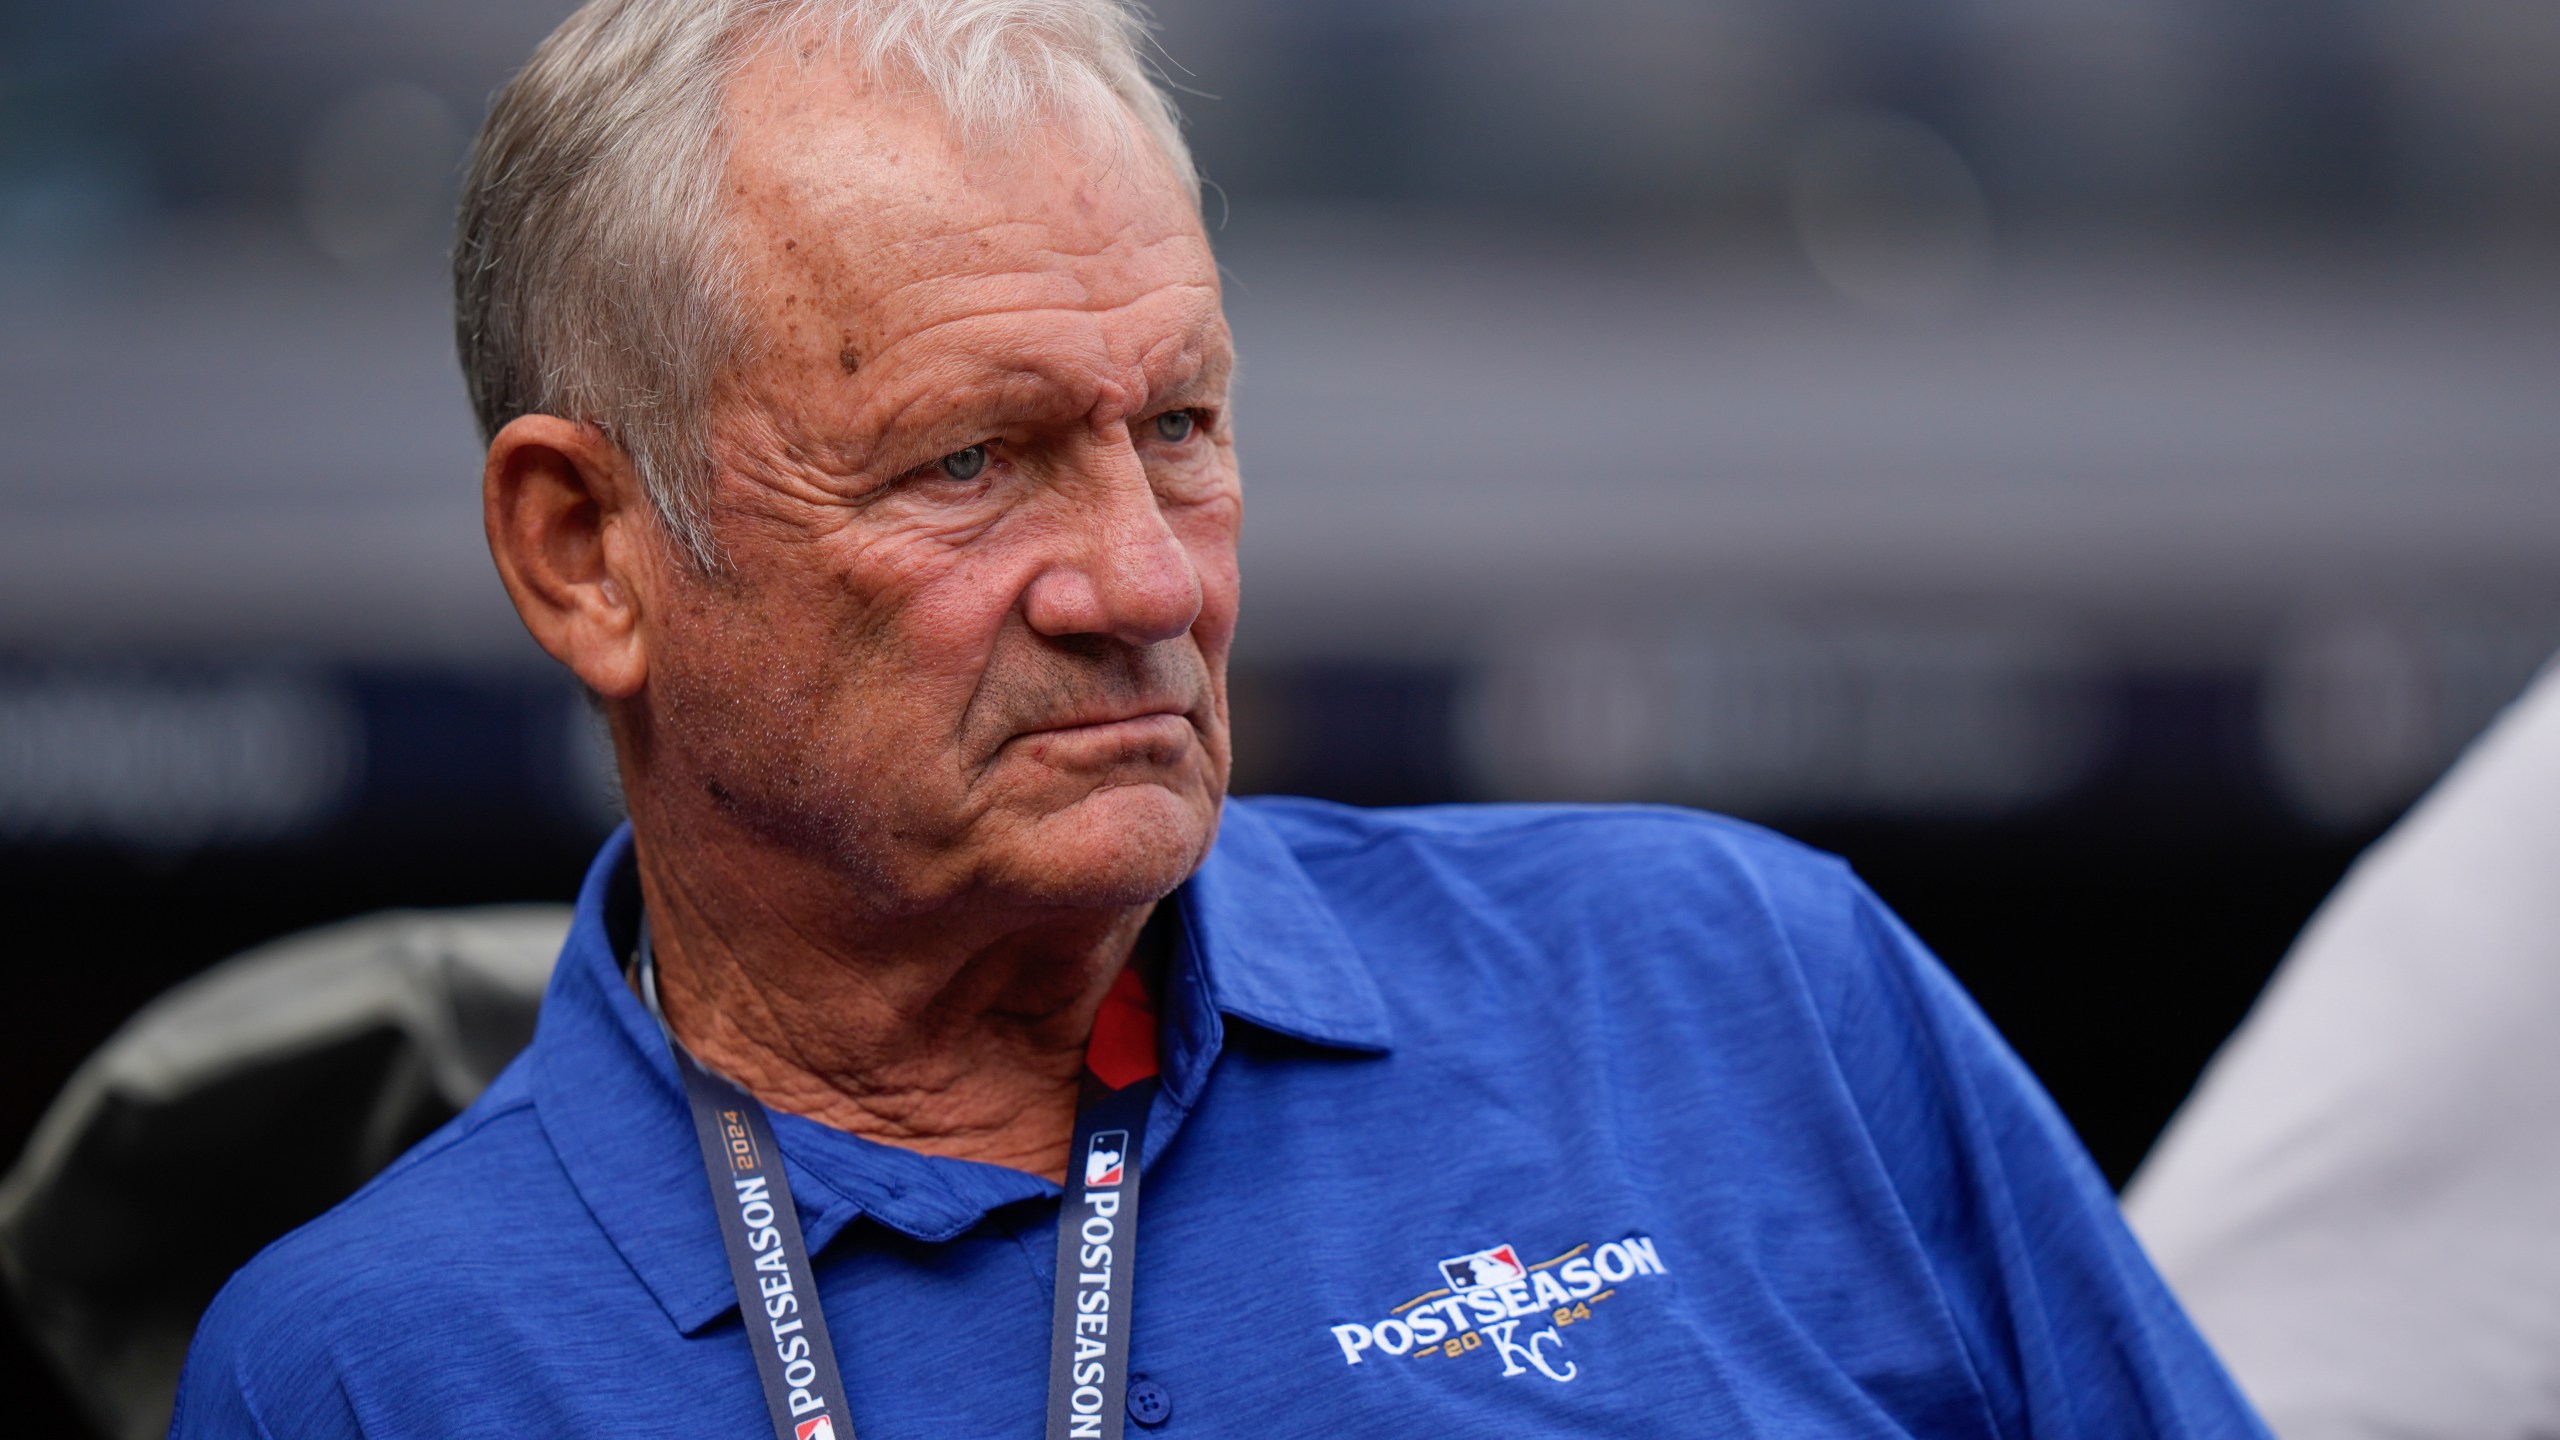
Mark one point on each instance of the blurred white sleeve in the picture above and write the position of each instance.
(2360, 1204)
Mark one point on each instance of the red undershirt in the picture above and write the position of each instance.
(1122, 1051)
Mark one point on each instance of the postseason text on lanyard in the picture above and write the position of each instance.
(1097, 1233)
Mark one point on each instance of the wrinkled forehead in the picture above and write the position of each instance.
(869, 230)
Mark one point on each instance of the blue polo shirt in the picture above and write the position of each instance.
(1512, 1121)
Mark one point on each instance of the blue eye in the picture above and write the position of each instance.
(1176, 425)
(966, 464)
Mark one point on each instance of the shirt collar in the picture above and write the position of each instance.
(1259, 944)
(1270, 946)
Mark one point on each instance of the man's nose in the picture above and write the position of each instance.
(1121, 571)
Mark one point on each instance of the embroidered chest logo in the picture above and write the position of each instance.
(1490, 1301)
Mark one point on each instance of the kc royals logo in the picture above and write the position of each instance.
(1487, 1296)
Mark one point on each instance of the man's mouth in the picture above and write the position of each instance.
(1137, 717)
(1155, 736)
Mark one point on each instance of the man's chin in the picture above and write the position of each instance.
(1122, 844)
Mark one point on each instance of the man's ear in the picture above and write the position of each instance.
(571, 529)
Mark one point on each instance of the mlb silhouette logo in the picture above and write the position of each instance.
(1105, 1158)
(1497, 1266)
(818, 1427)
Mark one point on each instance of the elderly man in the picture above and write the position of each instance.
(857, 393)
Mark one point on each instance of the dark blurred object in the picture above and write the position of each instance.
(238, 1106)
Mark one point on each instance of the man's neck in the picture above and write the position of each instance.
(958, 1035)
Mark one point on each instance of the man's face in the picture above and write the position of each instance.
(977, 504)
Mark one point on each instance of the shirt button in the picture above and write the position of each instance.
(1149, 1403)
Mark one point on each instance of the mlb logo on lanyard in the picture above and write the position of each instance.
(1106, 1158)
(821, 1428)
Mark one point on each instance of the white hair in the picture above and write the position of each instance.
(592, 278)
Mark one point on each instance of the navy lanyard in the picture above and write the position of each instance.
(1097, 1258)
(778, 1295)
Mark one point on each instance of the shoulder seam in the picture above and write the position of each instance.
(249, 1399)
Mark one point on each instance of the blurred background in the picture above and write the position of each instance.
(2090, 462)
